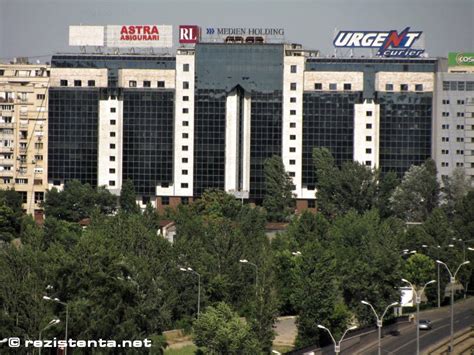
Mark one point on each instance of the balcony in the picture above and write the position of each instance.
(6, 173)
(6, 149)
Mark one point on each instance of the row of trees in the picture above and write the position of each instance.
(122, 281)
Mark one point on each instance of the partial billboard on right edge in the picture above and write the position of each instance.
(456, 59)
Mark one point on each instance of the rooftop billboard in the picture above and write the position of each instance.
(460, 59)
(122, 36)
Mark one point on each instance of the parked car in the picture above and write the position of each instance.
(425, 324)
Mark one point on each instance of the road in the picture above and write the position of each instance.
(405, 342)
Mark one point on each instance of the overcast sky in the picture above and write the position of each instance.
(40, 27)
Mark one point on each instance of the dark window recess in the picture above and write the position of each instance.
(63, 82)
(132, 84)
(185, 110)
(91, 83)
(311, 203)
(333, 86)
(292, 99)
(184, 160)
(147, 84)
(318, 86)
(347, 86)
(293, 86)
(161, 84)
(368, 151)
(368, 126)
(184, 200)
(185, 123)
(113, 110)
(112, 183)
(165, 200)
(185, 85)
(185, 98)
(184, 185)
(111, 171)
(112, 134)
(113, 122)
(368, 113)
(292, 149)
(185, 67)
(77, 82)
(293, 69)
(112, 158)
(419, 87)
(388, 87)
(184, 148)
(404, 87)
(292, 124)
(368, 138)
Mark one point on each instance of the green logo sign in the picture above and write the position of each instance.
(461, 59)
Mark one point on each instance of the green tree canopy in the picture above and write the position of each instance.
(78, 201)
(278, 200)
(219, 330)
(353, 186)
(417, 195)
(127, 200)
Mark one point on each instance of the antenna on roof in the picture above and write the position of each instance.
(335, 48)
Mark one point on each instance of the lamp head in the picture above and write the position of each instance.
(183, 269)
(466, 262)
(353, 327)
(322, 327)
(394, 304)
(47, 298)
(243, 261)
(364, 302)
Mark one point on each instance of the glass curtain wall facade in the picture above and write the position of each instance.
(328, 121)
(148, 138)
(250, 69)
(405, 130)
(72, 131)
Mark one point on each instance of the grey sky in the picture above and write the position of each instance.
(40, 27)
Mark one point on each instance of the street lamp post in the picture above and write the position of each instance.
(439, 285)
(67, 316)
(50, 324)
(452, 281)
(245, 261)
(464, 246)
(337, 346)
(380, 321)
(199, 286)
(418, 301)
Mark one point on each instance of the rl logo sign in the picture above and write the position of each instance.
(189, 34)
